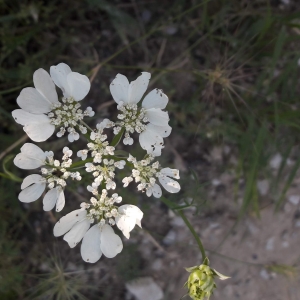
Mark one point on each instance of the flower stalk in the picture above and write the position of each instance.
(189, 226)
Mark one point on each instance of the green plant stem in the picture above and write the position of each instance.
(189, 226)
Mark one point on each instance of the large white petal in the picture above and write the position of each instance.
(39, 132)
(31, 157)
(90, 247)
(32, 192)
(119, 88)
(157, 117)
(138, 87)
(34, 102)
(50, 199)
(151, 142)
(30, 179)
(170, 172)
(23, 117)
(79, 85)
(155, 99)
(110, 243)
(25, 162)
(45, 85)
(163, 131)
(68, 221)
(33, 151)
(131, 211)
(75, 235)
(59, 75)
(169, 184)
(60, 201)
(37, 127)
(125, 224)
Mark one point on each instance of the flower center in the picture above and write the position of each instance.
(132, 118)
(67, 115)
(103, 208)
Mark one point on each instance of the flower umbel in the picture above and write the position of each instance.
(150, 121)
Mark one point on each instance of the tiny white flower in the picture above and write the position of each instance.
(82, 154)
(128, 217)
(126, 181)
(73, 135)
(89, 112)
(120, 164)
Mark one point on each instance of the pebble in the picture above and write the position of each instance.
(294, 199)
(145, 288)
(263, 186)
(170, 238)
(276, 161)
(264, 274)
(270, 244)
(157, 264)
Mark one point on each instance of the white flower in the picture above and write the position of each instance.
(97, 240)
(127, 96)
(128, 217)
(72, 84)
(31, 157)
(40, 109)
(169, 184)
(154, 190)
(33, 187)
(83, 154)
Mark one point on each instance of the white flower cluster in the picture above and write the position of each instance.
(149, 120)
(41, 112)
(40, 109)
(104, 172)
(147, 174)
(54, 176)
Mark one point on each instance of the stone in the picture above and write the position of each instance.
(294, 199)
(276, 161)
(263, 187)
(145, 288)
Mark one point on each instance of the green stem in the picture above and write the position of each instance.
(86, 125)
(193, 232)
(188, 224)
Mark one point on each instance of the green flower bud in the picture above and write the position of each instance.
(201, 281)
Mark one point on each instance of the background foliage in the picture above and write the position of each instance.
(230, 69)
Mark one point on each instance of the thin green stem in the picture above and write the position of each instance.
(188, 224)
(86, 125)
(193, 232)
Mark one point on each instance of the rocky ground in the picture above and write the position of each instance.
(260, 254)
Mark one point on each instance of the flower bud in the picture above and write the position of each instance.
(201, 281)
